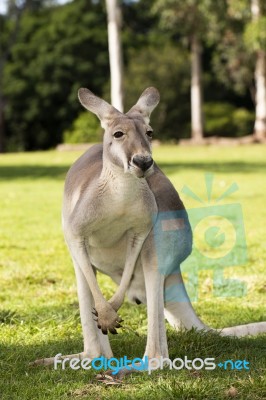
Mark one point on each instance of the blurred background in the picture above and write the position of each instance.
(206, 58)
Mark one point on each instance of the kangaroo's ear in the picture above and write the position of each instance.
(146, 104)
(104, 111)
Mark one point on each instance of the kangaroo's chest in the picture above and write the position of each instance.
(129, 208)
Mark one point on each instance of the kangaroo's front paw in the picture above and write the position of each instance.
(107, 318)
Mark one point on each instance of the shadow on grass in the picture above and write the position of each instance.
(192, 344)
(59, 172)
(224, 167)
(184, 343)
(16, 358)
(33, 172)
(22, 381)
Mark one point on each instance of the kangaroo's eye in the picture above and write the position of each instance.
(149, 133)
(118, 134)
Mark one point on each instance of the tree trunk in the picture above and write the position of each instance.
(2, 126)
(260, 79)
(260, 82)
(115, 53)
(196, 91)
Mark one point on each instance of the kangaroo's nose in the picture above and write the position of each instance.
(143, 162)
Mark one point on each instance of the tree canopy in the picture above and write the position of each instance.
(48, 51)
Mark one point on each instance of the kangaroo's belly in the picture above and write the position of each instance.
(111, 262)
(109, 259)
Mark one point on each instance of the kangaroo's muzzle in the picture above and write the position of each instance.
(142, 162)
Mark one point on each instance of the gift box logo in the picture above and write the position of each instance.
(219, 242)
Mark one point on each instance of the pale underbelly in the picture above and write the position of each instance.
(111, 262)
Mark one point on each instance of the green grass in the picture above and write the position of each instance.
(39, 312)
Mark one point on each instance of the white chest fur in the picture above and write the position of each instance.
(122, 203)
(126, 206)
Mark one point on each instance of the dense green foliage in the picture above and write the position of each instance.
(48, 51)
(167, 70)
(85, 128)
(57, 51)
(39, 314)
(223, 117)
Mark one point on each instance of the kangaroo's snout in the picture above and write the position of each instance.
(142, 162)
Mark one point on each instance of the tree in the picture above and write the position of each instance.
(58, 50)
(195, 21)
(168, 71)
(197, 124)
(173, 15)
(10, 24)
(256, 31)
(7, 41)
(241, 57)
(115, 53)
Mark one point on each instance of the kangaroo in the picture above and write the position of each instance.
(113, 196)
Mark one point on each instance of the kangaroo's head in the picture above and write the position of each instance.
(127, 137)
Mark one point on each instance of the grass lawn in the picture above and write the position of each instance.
(39, 314)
